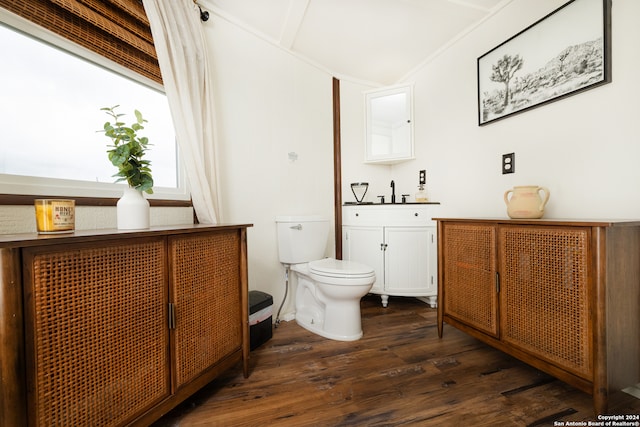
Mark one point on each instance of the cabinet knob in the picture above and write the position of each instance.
(357, 214)
(415, 214)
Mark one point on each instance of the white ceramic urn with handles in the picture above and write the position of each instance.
(525, 202)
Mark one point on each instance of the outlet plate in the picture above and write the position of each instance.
(508, 163)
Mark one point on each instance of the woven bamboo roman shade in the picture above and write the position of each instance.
(116, 29)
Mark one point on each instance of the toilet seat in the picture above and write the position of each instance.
(330, 267)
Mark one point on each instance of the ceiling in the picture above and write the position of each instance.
(372, 41)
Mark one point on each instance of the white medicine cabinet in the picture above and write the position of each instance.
(389, 125)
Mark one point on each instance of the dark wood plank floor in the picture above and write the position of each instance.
(399, 374)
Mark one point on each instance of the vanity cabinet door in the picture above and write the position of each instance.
(366, 245)
(96, 331)
(470, 288)
(409, 254)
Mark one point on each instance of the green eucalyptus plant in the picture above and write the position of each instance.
(128, 149)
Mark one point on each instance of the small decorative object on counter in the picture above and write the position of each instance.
(421, 195)
(132, 210)
(359, 190)
(55, 215)
(525, 202)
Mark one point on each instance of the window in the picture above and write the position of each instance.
(50, 117)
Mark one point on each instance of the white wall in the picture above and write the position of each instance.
(352, 122)
(270, 104)
(584, 148)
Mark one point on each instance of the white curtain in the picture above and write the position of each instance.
(179, 41)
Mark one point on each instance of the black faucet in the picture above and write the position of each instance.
(393, 192)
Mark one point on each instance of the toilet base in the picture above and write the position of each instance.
(331, 310)
(313, 322)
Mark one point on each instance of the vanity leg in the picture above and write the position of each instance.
(433, 302)
(385, 300)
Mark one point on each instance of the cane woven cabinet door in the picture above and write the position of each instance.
(470, 275)
(545, 294)
(96, 334)
(205, 289)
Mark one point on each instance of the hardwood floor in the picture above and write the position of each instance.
(398, 374)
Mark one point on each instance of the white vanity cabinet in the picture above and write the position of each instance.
(399, 243)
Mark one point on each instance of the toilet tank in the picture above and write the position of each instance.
(301, 238)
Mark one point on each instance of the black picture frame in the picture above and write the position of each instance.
(565, 53)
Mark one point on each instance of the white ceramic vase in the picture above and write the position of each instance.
(132, 210)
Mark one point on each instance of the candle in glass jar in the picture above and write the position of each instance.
(55, 215)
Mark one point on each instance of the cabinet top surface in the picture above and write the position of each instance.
(35, 239)
(575, 222)
(354, 204)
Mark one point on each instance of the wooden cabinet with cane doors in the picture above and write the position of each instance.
(563, 296)
(118, 327)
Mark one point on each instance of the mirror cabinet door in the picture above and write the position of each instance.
(389, 125)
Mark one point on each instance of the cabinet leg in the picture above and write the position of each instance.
(440, 320)
(13, 394)
(385, 300)
(600, 399)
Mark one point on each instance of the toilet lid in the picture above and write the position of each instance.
(337, 268)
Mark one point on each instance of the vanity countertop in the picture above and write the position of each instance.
(388, 204)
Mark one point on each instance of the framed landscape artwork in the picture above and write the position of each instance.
(562, 54)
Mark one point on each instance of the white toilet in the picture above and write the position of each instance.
(329, 290)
